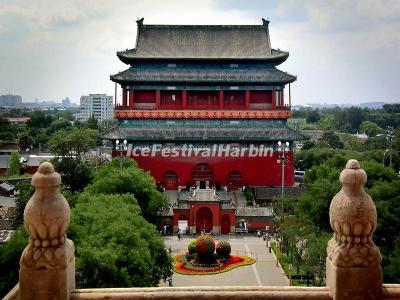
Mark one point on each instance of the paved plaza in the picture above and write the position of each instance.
(263, 273)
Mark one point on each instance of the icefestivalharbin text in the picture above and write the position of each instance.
(216, 150)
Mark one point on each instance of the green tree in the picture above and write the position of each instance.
(110, 179)
(15, 166)
(92, 123)
(10, 254)
(355, 116)
(61, 124)
(383, 186)
(350, 142)
(25, 141)
(74, 143)
(313, 116)
(371, 128)
(40, 119)
(6, 130)
(332, 140)
(70, 148)
(41, 138)
(391, 108)
(75, 174)
(115, 245)
(307, 158)
(25, 192)
(327, 122)
(314, 256)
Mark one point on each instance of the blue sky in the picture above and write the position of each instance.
(341, 51)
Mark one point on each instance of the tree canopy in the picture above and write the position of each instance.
(322, 183)
(73, 143)
(14, 165)
(70, 147)
(115, 245)
(110, 179)
(10, 253)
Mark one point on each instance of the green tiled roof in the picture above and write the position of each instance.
(198, 74)
(221, 42)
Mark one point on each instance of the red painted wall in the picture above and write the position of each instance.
(255, 171)
(261, 97)
(255, 223)
(145, 96)
(217, 214)
(179, 213)
(232, 218)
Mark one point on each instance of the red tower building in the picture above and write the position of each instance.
(203, 105)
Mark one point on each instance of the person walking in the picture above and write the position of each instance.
(269, 245)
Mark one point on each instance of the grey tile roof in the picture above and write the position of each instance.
(6, 224)
(214, 134)
(5, 186)
(225, 196)
(254, 212)
(201, 74)
(36, 160)
(7, 201)
(4, 161)
(184, 195)
(11, 213)
(202, 42)
(267, 193)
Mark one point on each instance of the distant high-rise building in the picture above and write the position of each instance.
(66, 103)
(10, 101)
(98, 105)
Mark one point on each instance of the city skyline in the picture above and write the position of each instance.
(340, 51)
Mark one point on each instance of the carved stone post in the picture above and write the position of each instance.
(353, 264)
(47, 265)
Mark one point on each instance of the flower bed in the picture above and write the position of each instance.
(185, 267)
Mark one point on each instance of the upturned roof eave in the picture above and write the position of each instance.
(128, 56)
(114, 78)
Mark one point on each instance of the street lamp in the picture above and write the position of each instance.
(283, 149)
(121, 148)
(193, 222)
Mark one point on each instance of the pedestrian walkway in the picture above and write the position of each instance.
(263, 273)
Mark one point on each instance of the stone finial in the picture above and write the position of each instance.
(48, 260)
(353, 220)
(265, 22)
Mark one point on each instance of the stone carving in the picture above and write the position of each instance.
(46, 218)
(353, 220)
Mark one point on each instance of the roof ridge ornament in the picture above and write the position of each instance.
(140, 21)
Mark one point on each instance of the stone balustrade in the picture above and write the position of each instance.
(47, 266)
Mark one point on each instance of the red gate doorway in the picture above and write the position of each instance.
(225, 224)
(204, 220)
